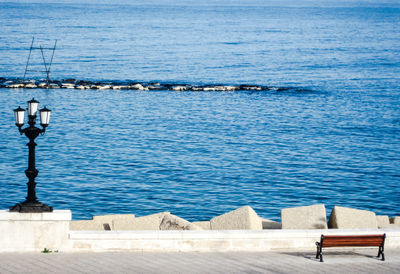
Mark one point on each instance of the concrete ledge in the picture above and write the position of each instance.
(22, 232)
(207, 241)
(56, 215)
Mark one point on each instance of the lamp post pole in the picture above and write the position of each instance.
(31, 204)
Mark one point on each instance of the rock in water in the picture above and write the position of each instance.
(395, 221)
(179, 88)
(109, 219)
(304, 217)
(383, 221)
(350, 218)
(149, 222)
(89, 225)
(269, 224)
(172, 222)
(138, 86)
(241, 218)
(206, 225)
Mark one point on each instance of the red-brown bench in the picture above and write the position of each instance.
(349, 241)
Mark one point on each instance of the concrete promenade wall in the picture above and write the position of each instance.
(22, 232)
(26, 232)
(203, 241)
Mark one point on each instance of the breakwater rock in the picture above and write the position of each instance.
(245, 218)
(126, 85)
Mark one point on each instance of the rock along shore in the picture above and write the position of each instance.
(127, 85)
(245, 218)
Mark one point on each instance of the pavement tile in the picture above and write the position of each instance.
(359, 261)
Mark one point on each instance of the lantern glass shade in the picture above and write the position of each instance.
(32, 107)
(45, 116)
(19, 114)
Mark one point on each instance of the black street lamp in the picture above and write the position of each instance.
(31, 204)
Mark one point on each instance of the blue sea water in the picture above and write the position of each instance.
(332, 136)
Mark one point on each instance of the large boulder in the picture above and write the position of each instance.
(149, 222)
(241, 218)
(349, 218)
(383, 221)
(112, 217)
(109, 219)
(205, 225)
(89, 225)
(172, 222)
(269, 224)
(395, 220)
(139, 87)
(304, 217)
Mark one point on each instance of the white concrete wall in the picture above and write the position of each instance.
(22, 232)
(224, 240)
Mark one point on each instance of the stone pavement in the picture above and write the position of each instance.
(349, 261)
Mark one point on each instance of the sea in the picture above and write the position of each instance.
(327, 131)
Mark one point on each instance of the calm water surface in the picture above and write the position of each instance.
(333, 137)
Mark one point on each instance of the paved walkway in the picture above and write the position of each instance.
(358, 261)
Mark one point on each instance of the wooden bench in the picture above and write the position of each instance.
(349, 241)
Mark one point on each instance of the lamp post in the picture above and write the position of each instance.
(31, 204)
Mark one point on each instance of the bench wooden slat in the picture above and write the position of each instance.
(352, 239)
(351, 242)
(349, 245)
(351, 236)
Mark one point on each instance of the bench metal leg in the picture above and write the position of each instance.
(319, 252)
(383, 247)
(381, 253)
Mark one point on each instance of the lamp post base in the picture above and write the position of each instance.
(31, 207)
